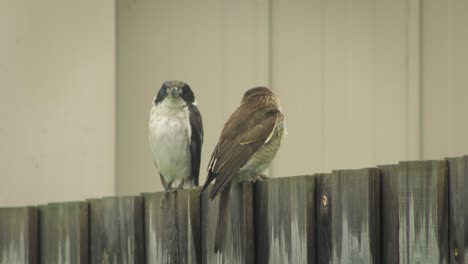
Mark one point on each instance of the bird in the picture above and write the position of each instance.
(176, 136)
(248, 143)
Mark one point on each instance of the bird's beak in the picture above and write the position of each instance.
(174, 91)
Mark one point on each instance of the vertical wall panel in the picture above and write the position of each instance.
(57, 100)
(296, 44)
(340, 68)
(349, 78)
(444, 78)
(390, 81)
(337, 115)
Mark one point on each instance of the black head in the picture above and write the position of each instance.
(175, 89)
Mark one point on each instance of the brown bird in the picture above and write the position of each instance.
(247, 145)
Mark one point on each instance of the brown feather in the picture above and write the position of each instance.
(249, 128)
(243, 134)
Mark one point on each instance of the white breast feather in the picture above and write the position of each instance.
(169, 136)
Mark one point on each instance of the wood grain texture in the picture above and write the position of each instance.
(285, 220)
(348, 217)
(458, 209)
(239, 243)
(389, 215)
(18, 235)
(415, 201)
(63, 229)
(172, 233)
(116, 230)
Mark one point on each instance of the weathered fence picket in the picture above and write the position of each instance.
(116, 230)
(348, 217)
(458, 207)
(415, 201)
(63, 233)
(390, 219)
(411, 212)
(18, 235)
(239, 241)
(172, 228)
(285, 220)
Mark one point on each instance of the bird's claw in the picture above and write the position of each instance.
(170, 190)
(258, 177)
(164, 198)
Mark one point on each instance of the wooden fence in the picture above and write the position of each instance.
(413, 212)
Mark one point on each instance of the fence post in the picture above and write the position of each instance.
(458, 207)
(416, 197)
(116, 230)
(239, 243)
(348, 217)
(172, 232)
(285, 220)
(63, 230)
(18, 235)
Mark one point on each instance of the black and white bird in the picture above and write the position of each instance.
(176, 135)
(248, 143)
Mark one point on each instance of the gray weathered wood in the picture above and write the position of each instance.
(389, 215)
(172, 233)
(239, 243)
(116, 230)
(63, 229)
(416, 212)
(18, 235)
(285, 220)
(458, 226)
(348, 217)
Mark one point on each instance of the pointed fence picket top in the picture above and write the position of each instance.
(415, 201)
(348, 217)
(239, 243)
(285, 220)
(116, 230)
(458, 210)
(63, 229)
(172, 227)
(18, 235)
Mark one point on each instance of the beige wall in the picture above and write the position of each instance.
(361, 82)
(444, 78)
(340, 68)
(57, 100)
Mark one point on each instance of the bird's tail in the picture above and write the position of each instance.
(209, 179)
(223, 213)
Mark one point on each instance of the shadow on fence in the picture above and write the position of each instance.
(413, 212)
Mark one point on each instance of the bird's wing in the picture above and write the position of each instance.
(196, 141)
(243, 134)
